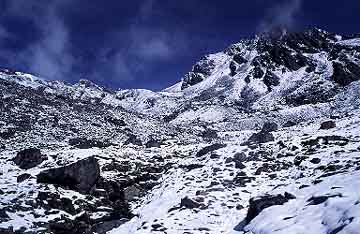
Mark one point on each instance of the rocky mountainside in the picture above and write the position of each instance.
(262, 137)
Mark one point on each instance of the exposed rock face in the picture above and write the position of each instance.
(29, 158)
(80, 176)
(199, 72)
(346, 73)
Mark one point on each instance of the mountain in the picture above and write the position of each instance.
(262, 137)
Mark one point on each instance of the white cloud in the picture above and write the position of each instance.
(281, 15)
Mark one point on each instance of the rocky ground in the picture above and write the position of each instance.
(260, 138)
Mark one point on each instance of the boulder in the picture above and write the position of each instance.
(233, 68)
(134, 140)
(84, 143)
(258, 204)
(261, 137)
(80, 176)
(239, 59)
(29, 158)
(188, 203)
(269, 127)
(209, 149)
(153, 143)
(23, 177)
(328, 124)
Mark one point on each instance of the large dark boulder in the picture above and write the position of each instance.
(258, 204)
(189, 203)
(239, 59)
(233, 68)
(153, 143)
(29, 158)
(209, 149)
(328, 125)
(261, 137)
(80, 176)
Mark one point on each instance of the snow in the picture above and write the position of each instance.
(351, 42)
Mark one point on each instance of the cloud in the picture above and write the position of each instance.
(283, 15)
(49, 55)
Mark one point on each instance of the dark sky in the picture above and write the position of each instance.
(150, 43)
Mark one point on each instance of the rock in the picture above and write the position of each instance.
(239, 59)
(209, 134)
(115, 121)
(80, 176)
(209, 148)
(153, 143)
(260, 137)
(29, 158)
(269, 127)
(289, 124)
(104, 227)
(9, 230)
(345, 73)
(233, 68)
(258, 204)
(239, 165)
(271, 80)
(84, 143)
(328, 125)
(192, 166)
(189, 203)
(3, 216)
(315, 160)
(132, 193)
(23, 177)
(241, 179)
(134, 140)
(299, 159)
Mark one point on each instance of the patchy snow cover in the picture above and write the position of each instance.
(351, 42)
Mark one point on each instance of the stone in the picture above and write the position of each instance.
(239, 59)
(23, 177)
(233, 68)
(209, 149)
(269, 127)
(132, 193)
(153, 143)
(328, 125)
(80, 176)
(134, 140)
(189, 203)
(258, 204)
(29, 158)
(315, 160)
(261, 137)
(84, 143)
